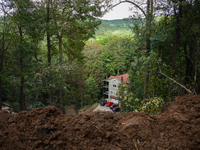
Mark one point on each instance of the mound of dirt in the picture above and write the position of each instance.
(176, 127)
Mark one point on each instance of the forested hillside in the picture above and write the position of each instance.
(57, 53)
(113, 27)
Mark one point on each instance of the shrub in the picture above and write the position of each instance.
(152, 105)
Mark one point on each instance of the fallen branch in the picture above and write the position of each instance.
(135, 144)
(5, 104)
(178, 83)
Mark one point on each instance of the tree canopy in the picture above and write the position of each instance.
(58, 52)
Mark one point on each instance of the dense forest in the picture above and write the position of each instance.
(58, 52)
(119, 27)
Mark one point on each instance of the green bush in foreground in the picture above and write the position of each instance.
(152, 105)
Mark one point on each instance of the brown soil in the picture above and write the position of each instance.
(176, 127)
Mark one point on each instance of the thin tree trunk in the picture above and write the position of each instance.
(50, 90)
(196, 64)
(176, 47)
(76, 97)
(21, 97)
(146, 77)
(76, 107)
(48, 35)
(155, 81)
(156, 74)
(121, 95)
(59, 36)
(1, 62)
(60, 49)
(0, 94)
(60, 57)
(1, 69)
(188, 67)
(61, 97)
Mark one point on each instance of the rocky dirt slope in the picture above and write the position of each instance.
(176, 127)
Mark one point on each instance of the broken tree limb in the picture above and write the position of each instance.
(131, 2)
(135, 144)
(6, 104)
(177, 83)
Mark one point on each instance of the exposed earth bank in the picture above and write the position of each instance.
(176, 127)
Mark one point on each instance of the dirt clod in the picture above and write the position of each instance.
(176, 127)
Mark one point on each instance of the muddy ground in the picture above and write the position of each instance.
(177, 127)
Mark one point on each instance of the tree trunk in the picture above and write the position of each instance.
(0, 94)
(176, 48)
(60, 57)
(148, 23)
(76, 107)
(156, 91)
(59, 36)
(50, 90)
(76, 97)
(146, 78)
(1, 69)
(121, 95)
(195, 86)
(1, 61)
(48, 35)
(155, 81)
(21, 97)
(188, 67)
(61, 97)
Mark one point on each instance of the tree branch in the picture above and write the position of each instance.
(177, 83)
(127, 1)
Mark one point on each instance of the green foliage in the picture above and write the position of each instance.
(152, 105)
(130, 103)
(120, 51)
(119, 47)
(93, 62)
(108, 28)
(15, 106)
(109, 56)
(10, 91)
(38, 104)
(91, 95)
(130, 100)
